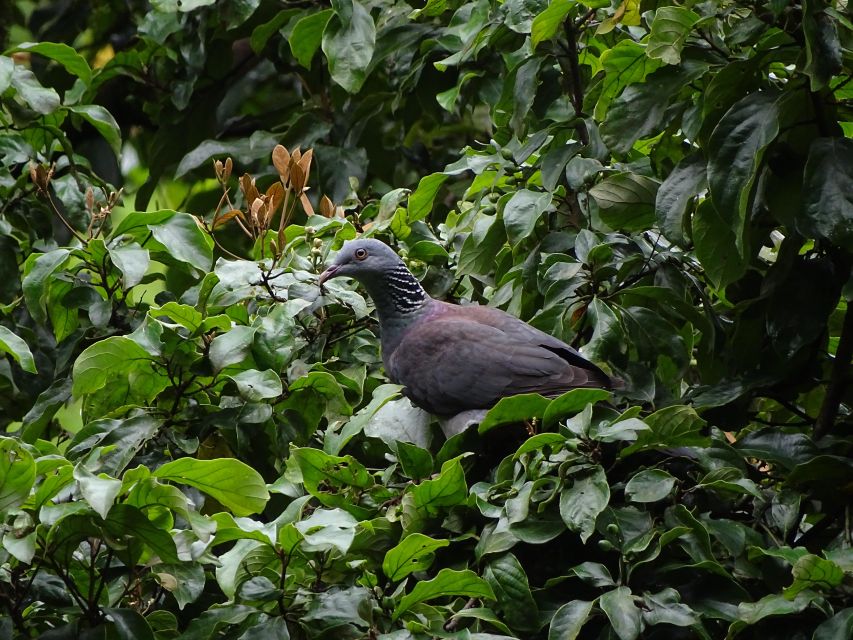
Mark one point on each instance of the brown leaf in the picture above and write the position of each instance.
(327, 207)
(218, 169)
(229, 165)
(281, 161)
(275, 194)
(297, 177)
(305, 164)
(228, 215)
(247, 186)
(90, 199)
(306, 205)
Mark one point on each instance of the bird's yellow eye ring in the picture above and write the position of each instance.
(360, 254)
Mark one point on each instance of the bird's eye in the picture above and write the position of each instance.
(360, 254)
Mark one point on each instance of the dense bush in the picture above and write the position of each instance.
(200, 444)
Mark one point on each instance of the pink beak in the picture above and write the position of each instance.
(328, 274)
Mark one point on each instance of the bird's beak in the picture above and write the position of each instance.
(328, 274)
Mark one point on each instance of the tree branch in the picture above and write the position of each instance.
(838, 379)
(570, 67)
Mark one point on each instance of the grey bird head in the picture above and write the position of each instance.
(364, 259)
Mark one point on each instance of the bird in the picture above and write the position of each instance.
(452, 358)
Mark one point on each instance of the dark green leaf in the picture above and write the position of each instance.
(828, 191)
(569, 619)
(348, 42)
(649, 485)
(447, 583)
(523, 211)
(624, 616)
(736, 150)
(626, 201)
(103, 122)
(675, 196)
(581, 503)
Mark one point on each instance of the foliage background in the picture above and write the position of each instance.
(199, 444)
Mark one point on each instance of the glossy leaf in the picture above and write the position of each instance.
(349, 39)
(231, 482)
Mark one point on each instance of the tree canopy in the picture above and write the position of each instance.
(200, 444)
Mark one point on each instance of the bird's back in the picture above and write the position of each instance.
(455, 358)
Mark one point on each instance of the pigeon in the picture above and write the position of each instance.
(453, 358)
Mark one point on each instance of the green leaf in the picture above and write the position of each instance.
(571, 403)
(824, 53)
(445, 490)
(813, 572)
(421, 199)
(448, 582)
(43, 100)
(126, 521)
(545, 25)
(99, 491)
(185, 580)
(103, 122)
(507, 578)
(129, 624)
(399, 420)
(307, 35)
(569, 619)
(328, 529)
(257, 385)
(231, 347)
(838, 627)
(17, 473)
(183, 314)
(514, 410)
(649, 485)
(626, 201)
(675, 195)
(624, 64)
(184, 239)
(104, 360)
(258, 145)
(675, 426)
(332, 472)
(18, 349)
(716, 246)
(624, 616)
(828, 192)
(417, 463)
(232, 483)
(132, 260)
(665, 607)
(73, 62)
(415, 553)
(523, 211)
(581, 503)
(736, 149)
(348, 42)
(750, 613)
(670, 29)
(36, 282)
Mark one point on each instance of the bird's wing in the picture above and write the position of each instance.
(449, 365)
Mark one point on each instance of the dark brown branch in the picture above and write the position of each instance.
(838, 380)
(570, 67)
